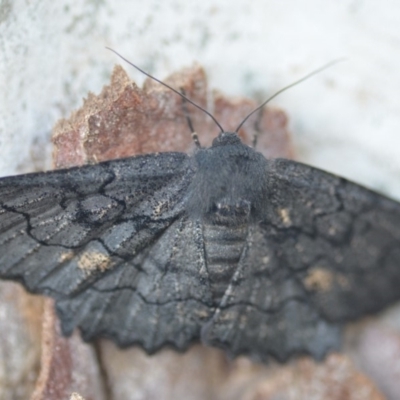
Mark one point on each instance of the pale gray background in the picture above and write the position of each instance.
(346, 120)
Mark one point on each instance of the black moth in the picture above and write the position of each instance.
(259, 257)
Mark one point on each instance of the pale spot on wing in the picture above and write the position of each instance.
(332, 231)
(76, 396)
(322, 280)
(284, 214)
(91, 261)
(201, 313)
(66, 256)
(265, 260)
(319, 279)
(159, 208)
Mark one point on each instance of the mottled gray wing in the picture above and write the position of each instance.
(80, 235)
(160, 297)
(327, 251)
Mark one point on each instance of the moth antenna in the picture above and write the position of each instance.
(317, 71)
(169, 87)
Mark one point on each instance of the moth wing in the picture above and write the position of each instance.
(341, 240)
(159, 298)
(62, 230)
(327, 251)
(266, 311)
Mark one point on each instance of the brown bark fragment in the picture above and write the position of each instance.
(125, 120)
(195, 374)
(378, 355)
(68, 365)
(334, 379)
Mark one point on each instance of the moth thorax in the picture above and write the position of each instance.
(226, 138)
(230, 213)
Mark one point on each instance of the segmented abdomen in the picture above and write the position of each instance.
(224, 245)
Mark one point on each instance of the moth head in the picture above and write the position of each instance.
(226, 138)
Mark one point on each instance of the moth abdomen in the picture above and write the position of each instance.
(223, 247)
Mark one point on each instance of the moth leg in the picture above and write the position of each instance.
(257, 128)
(195, 137)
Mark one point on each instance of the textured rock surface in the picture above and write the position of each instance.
(378, 355)
(20, 347)
(335, 379)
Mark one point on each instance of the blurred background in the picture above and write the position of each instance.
(345, 120)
